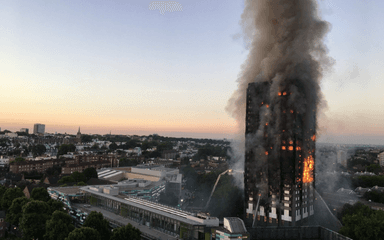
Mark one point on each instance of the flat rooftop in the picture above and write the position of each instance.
(67, 190)
(166, 211)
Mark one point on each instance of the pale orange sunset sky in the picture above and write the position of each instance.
(118, 66)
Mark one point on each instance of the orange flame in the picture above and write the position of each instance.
(284, 93)
(290, 148)
(313, 137)
(309, 164)
(266, 152)
(283, 147)
(279, 93)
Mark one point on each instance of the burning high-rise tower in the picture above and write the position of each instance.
(279, 157)
(277, 101)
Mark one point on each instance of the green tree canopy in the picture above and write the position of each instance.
(40, 193)
(9, 195)
(164, 146)
(35, 215)
(55, 205)
(19, 159)
(78, 177)
(65, 148)
(90, 173)
(361, 222)
(38, 149)
(86, 138)
(368, 181)
(123, 162)
(59, 226)
(2, 191)
(84, 233)
(96, 221)
(112, 146)
(66, 179)
(375, 168)
(15, 210)
(126, 232)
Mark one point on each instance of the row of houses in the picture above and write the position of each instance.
(69, 165)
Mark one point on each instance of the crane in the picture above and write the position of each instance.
(214, 187)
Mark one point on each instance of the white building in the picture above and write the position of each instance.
(342, 158)
(380, 157)
(11, 135)
(4, 161)
(26, 130)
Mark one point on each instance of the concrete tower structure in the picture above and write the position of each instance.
(280, 153)
(38, 128)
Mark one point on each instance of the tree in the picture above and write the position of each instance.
(59, 226)
(361, 222)
(86, 138)
(35, 215)
(96, 220)
(127, 162)
(126, 232)
(65, 148)
(365, 224)
(90, 173)
(9, 196)
(38, 149)
(81, 184)
(53, 171)
(84, 233)
(15, 210)
(165, 146)
(55, 205)
(78, 177)
(375, 168)
(112, 146)
(66, 179)
(41, 194)
(19, 159)
(2, 191)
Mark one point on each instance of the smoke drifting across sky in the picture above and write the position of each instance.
(281, 35)
(285, 39)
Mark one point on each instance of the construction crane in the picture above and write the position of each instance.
(214, 187)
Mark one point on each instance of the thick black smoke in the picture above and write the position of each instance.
(286, 41)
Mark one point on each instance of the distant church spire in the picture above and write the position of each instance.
(78, 135)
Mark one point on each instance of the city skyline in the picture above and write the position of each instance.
(124, 68)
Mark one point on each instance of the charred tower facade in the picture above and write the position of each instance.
(279, 159)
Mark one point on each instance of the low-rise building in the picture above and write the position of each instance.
(234, 228)
(4, 161)
(380, 158)
(80, 167)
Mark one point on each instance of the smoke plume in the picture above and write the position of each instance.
(285, 39)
